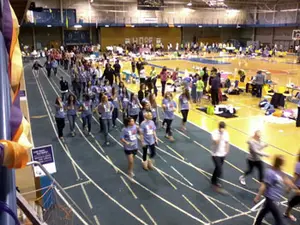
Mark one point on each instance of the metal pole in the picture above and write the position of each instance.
(61, 11)
(7, 176)
(35, 163)
(33, 38)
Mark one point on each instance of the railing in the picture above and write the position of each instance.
(7, 176)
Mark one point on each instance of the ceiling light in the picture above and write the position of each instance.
(49, 25)
(132, 26)
(106, 25)
(200, 26)
(78, 26)
(189, 4)
(220, 26)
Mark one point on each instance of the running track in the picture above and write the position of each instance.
(177, 192)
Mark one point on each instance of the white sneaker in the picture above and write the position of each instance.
(242, 180)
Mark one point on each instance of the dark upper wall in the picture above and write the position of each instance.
(210, 34)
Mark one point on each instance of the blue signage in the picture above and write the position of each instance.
(45, 156)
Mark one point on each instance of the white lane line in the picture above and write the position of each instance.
(148, 214)
(97, 122)
(76, 185)
(145, 188)
(65, 148)
(197, 209)
(203, 171)
(167, 180)
(173, 150)
(96, 220)
(182, 133)
(182, 176)
(211, 198)
(173, 186)
(142, 186)
(70, 206)
(86, 196)
(129, 188)
(46, 102)
(116, 168)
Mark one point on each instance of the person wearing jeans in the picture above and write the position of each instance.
(106, 108)
(86, 115)
(72, 112)
(48, 66)
(59, 117)
(259, 81)
(169, 107)
(148, 139)
(272, 188)
(220, 149)
(256, 147)
(134, 106)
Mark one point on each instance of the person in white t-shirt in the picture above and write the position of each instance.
(220, 149)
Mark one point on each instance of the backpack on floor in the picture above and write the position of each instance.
(210, 110)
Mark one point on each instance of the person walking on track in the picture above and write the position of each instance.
(295, 200)
(130, 142)
(148, 139)
(256, 147)
(220, 149)
(273, 188)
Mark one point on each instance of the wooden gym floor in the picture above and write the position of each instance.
(282, 138)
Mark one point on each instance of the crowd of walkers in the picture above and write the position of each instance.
(106, 97)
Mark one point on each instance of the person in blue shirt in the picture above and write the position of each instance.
(148, 139)
(106, 108)
(54, 66)
(130, 142)
(59, 116)
(134, 106)
(86, 113)
(184, 107)
(273, 188)
(124, 100)
(169, 107)
(72, 107)
(48, 67)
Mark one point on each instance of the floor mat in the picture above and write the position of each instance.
(224, 114)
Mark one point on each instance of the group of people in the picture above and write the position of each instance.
(273, 181)
(107, 97)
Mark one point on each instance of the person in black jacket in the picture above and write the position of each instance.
(64, 88)
(205, 79)
(142, 92)
(215, 85)
(139, 65)
(108, 74)
(133, 66)
(48, 66)
(117, 68)
(36, 68)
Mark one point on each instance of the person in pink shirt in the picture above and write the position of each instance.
(163, 79)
